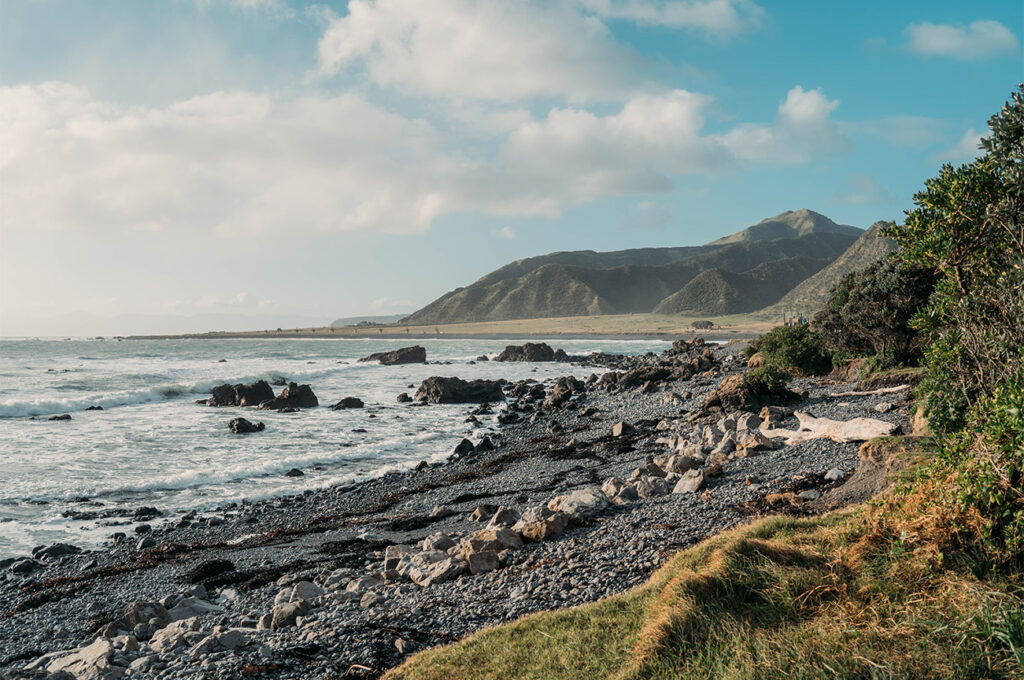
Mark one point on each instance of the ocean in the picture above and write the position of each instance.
(152, 445)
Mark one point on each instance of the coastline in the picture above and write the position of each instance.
(338, 536)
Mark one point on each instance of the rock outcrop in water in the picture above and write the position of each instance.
(293, 396)
(405, 355)
(439, 390)
(241, 395)
(531, 351)
(243, 426)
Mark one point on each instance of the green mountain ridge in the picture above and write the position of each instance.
(584, 283)
(810, 296)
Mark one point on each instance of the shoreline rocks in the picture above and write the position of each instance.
(441, 390)
(405, 355)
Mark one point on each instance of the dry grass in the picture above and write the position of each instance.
(878, 592)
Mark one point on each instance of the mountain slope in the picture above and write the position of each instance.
(716, 291)
(576, 283)
(790, 224)
(811, 295)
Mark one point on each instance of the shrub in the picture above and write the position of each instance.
(870, 312)
(969, 225)
(703, 325)
(989, 457)
(799, 347)
(766, 379)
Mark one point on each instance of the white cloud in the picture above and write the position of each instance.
(241, 163)
(802, 130)
(964, 151)
(979, 40)
(480, 49)
(647, 215)
(506, 232)
(720, 18)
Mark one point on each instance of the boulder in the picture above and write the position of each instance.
(440, 390)
(208, 569)
(531, 351)
(735, 394)
(692, 481)
(188, 607)
(283, 615)
(651, 487)
(142, 611)
(91, 661)
(463, 448)
(536, 528)
(243, 426)
(347, 402)
(404, 398)
(295, 472)
(254, 394)
(565, 387)
(303, 590)
(580, 503)
(621, 429)
(503, 517)
(437, 541)
(648, 470)
(292, 396)
(494, 538)
(172, 636)
(483, 561)
(63, 416)
(56, 551)
(441, 571)
(405, 355)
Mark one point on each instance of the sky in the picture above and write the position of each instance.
(176, 165)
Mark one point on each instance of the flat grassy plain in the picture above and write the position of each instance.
(618, 325)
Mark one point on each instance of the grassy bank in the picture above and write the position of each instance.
(844, 595)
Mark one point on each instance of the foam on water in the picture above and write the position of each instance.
(153, 445)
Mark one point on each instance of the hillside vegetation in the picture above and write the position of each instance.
(809, 296)
(638, 281)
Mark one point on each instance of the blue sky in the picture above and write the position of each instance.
(288, 161)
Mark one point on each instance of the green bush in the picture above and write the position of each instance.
(799, 347)
(703, 324)
(766, 379)
(989, 456)
(870, 312)
(969, 225)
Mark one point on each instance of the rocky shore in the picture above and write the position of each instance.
(559, 495)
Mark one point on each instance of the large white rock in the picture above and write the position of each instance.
(91, 661)
(580, 503)
(691, 482)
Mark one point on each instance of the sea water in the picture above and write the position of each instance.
(153, 445)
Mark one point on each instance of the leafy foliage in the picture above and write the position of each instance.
(799, 347)
(989, 457)
(968, 225)
(703, 324)
(870, 312)
(766, 379)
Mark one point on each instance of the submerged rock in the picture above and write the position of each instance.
(348, 402)
(531, 351)
(293, 396)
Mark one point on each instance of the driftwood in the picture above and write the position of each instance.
(856, 430)
(884, 390)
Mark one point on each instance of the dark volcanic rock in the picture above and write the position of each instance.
(63, 416)
(404, 398)
(243, 426)
(348, 402)
(254, 394)
(531, 351)
(405, 355)
(222, 395)
(209, 569)
(564, 388)
(56, 550)
(295, 472)
(293, 396)
(94, 408)
(438, 390)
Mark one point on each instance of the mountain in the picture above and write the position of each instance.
(583, 283)
(810, 296)
(715, 292)
(353, 320)
(790, 224)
